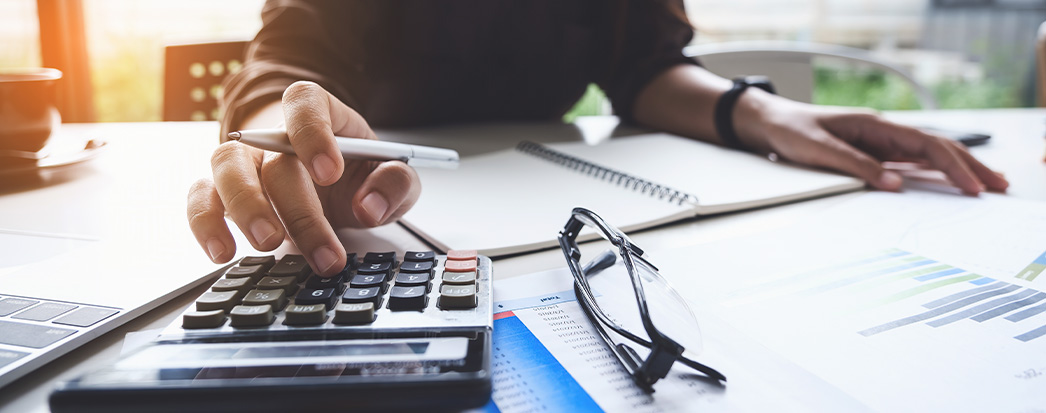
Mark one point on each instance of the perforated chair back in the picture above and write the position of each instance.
(193, 75)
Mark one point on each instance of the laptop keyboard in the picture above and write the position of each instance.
(29, 325)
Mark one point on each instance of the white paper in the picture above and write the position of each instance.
(849, 295)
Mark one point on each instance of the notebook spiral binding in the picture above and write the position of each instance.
(616, 177)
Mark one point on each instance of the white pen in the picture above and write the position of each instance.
(276, 140)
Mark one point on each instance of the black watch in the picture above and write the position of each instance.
(724, 108)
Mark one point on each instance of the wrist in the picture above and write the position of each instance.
(735, 108)
(752, 118)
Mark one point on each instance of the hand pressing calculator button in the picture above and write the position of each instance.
(270, 331)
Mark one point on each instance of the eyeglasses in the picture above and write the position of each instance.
(650, 325)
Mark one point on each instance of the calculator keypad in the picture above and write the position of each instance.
(263, 292)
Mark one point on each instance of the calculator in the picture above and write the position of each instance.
(389, 332)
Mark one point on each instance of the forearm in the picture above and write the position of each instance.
(682, 100)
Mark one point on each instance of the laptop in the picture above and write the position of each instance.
(59, 291)
(92, 245)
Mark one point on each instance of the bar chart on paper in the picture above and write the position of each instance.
(946, 337)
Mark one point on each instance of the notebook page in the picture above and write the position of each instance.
(722, 179)
(507, 202)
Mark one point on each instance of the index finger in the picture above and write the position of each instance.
(312, 117)
(940, 155)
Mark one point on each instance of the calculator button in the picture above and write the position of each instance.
(417, 267)
(203, 319)
(407, 298)
(462, 255)
(460, 266)
(232, 284)
(457, 296)
(326, 296)
(251, 315)
(362, 295)
(405, 279)
(354, 313)
(373, 257)
(459, 278)
(211, 300)
(44, 312)
(275, 298)
(10, 305)
(374, 268)
(350, 260)
(265, 261)
(368, 280)
(305, 315)
(291, 265)
(287, 284)
(253, 272)
(318, 283)
(419, 256)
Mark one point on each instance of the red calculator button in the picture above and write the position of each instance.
(461, 255)
(460, 266)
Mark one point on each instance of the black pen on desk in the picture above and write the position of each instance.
(276, 140)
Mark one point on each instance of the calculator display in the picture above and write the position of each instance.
(445, 350)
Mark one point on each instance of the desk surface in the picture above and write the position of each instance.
(1016, 149)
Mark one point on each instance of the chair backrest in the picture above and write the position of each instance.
(790, 65)
(193, 75)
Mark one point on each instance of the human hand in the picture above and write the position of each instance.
(306, 196)
(857, 142)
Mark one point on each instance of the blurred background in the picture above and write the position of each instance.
(968, 53)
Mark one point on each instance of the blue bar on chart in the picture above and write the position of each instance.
(1034, 269)
(527, 376)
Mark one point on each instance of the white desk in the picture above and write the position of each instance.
(1017, 149)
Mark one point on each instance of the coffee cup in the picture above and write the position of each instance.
(28, 108)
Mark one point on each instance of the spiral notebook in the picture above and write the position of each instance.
(517, 200)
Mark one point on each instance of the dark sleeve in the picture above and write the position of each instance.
(648, 37)
(298, 40)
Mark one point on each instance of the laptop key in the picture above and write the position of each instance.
(8, 357)
(9, 305)
(44, 312)
(31, 335)
(86, 316)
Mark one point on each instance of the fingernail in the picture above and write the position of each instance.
(215, 248)
(323, 167)
(890, 180)
(375, 205)
(324, 258)
(262, 230)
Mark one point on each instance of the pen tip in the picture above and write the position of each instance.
(234, 136)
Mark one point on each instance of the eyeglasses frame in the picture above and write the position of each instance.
(664, 351)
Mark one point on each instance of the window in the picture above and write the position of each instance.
(19, 33)
(126, 39)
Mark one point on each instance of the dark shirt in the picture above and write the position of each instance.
(422, 62)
